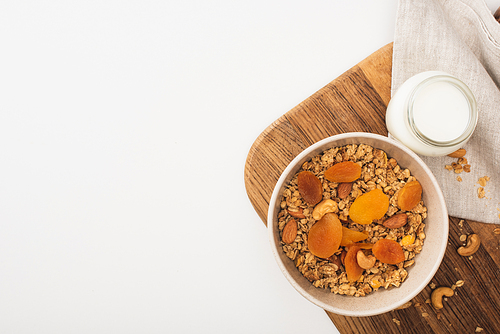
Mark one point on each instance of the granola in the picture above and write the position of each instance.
(462, 165)
(378, 171)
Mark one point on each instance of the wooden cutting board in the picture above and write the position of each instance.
(356, 101)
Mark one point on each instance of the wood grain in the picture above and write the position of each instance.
(356, 101)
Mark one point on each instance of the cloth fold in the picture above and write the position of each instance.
(460, 37)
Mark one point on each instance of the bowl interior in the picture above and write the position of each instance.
(426, 263)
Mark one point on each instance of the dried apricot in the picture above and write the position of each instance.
(342, 256)
(310, 187)
(350, 236)
(363, 245)
(352, 268)
(369, 206)
(388, 251)
(346, 171)
(324, 236)
(410, 195)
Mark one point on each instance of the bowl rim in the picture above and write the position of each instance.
(276, 247)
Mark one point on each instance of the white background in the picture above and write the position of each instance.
(124, 129)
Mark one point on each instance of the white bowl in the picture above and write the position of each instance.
(426, 263)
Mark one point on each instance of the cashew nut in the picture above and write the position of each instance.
(325, 207)
(473, 243)
(437, 296)
(365, 262)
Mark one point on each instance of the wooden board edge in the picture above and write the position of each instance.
(369, 66)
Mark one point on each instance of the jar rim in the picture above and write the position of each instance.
(467, 93)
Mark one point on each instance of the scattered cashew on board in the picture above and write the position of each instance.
(437, 296)
(472, 246)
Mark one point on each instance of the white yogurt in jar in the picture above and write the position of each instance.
(432, 113)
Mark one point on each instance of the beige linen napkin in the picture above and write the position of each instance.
(460, 37)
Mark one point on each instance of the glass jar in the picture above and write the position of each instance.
(433, 113)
